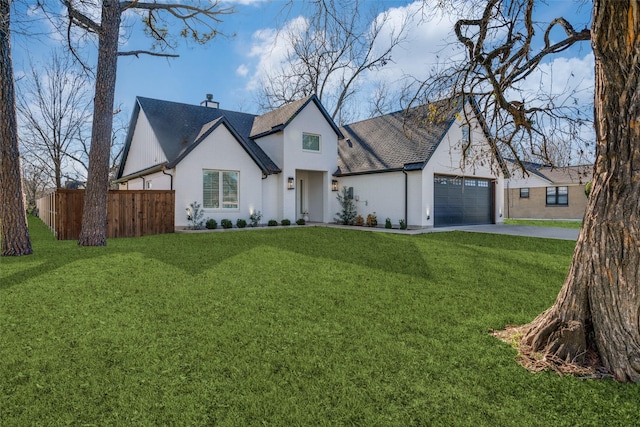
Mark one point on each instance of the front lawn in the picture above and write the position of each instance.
(300, 326)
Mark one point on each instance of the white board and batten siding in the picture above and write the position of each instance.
(144, 151)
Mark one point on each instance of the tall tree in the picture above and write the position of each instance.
(597, 309)
(13, 221)
(329, 52)
(55, 109)
(199, 22)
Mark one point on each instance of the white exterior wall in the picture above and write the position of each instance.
(447, 160)
(382, 193)
(272, 198)
(154, 181)
(207, 155)
(145, 151)
(291, 158)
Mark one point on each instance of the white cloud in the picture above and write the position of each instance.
(272, 51)
(242, 70)
(430, 42)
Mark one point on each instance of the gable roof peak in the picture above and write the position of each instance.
(278, 119)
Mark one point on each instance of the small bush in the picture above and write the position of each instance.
(254, 218)
(226, 223)
(272, 223)
(241, 223)
(387, 223)
(211, 224)
(285, 222)
(403, 224)
(359, 221)
(301, 221)
(194, 216)
(348, 207)
(372, 220)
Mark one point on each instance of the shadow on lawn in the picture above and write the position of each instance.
(48, 254)
(195, 253)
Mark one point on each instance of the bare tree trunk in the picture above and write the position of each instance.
(599, 304)
(94, 216)
(13, 221)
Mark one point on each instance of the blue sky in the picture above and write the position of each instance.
(231, 67)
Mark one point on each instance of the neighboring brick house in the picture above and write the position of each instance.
(547, 193)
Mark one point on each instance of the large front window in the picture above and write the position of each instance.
(558, 196)
(220, 189)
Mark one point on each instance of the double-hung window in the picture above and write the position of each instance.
(310, 142)
(524, 193)
(220, 189)
(558, 196)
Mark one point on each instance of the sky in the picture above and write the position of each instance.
(232, 67)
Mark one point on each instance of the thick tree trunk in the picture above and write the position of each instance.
(94, 215)
(599, 305)
(13, 221)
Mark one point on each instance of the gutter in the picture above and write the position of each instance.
(156, 168)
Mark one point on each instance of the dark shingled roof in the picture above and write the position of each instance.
(396, 141)
(180, 127)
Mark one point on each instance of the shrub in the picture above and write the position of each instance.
(272, 223)
(194, 216)
(403, 224)
(254, 218)
(359, 221)
(285, 222)
(226, 223)
(211, 224)
(348, 211)
(387, 223)
(301, 221)
(587, 188)
(372, 220)
(241, 223)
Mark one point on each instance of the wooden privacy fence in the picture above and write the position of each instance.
(130, 213)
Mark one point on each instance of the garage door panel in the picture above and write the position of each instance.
(460, 201)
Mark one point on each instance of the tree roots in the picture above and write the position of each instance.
(587, 365)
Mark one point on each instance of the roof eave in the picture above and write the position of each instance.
(143, 172)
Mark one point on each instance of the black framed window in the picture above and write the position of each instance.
(557, 196)
(524, 193)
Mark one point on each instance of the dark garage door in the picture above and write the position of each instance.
(462, 201)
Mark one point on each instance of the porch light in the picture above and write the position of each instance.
(290, 183)
(427, 211)
(334, 185)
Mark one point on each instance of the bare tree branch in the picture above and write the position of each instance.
(137, 53)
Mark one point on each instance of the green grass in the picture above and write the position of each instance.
(299, 326)
(545, 223)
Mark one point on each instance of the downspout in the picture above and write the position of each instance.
(164, 171)
(508, 201)
(406, 196)
(144, 186)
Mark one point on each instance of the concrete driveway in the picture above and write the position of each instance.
(516, 230)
